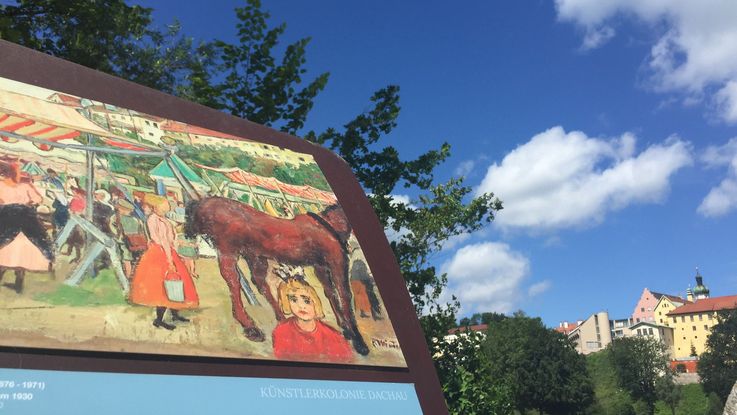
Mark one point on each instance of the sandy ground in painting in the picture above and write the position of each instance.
(212, 330)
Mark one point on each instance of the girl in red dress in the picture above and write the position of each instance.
(304, 336)
(159, 263)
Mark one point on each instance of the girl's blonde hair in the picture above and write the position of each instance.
(292, 285)
(155, 201)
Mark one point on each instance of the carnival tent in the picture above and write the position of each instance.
(44, 120)
(241, 176)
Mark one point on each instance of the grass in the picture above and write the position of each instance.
(102, 290)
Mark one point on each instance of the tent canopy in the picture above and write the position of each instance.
(243, 177)
(164, 171)
(40, 119)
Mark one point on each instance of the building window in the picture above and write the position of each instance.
(701, 317)
(706, 327)
(642, 309)
(639, 332)
(156, 125)
(694, 328)
(650, 331)
(708, 316)
(691, 317)
(683, 319)
(147, 123)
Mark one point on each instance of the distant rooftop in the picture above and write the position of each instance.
(475, 327)
(728, 302)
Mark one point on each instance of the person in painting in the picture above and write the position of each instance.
(77, 206)
(60, 217)
(102, 216)
(304, 336)
(24, 244)
(364, 296)
(159, 263)
(130, 235)
(103, 211)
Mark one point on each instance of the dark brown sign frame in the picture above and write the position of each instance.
(31, 67)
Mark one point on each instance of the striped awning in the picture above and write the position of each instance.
(49, 121)
(243, 177)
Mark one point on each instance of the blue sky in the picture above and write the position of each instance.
(603, 125)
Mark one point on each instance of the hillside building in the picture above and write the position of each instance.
(592, 334)
(645, 308)
(666, 304)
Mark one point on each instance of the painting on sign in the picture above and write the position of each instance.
(123, 231)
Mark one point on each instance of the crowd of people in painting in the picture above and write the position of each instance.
(158, 261)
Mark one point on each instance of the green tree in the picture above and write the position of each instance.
(459, 362)
(540, 365)
(107, 35)
(258, 88)
(714, 405)
(668, 391)
(718, 364)
(639, 362)
(610, 399)
(481, 318)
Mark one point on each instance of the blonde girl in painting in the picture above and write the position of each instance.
(161, 263)
(24, 243)
(304, 336)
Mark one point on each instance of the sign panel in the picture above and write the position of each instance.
(43, 392)
(194, 259)
(122, 231)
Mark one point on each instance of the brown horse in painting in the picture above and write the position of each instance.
(236, 229)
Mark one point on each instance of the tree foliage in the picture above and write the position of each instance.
(107, 35)
(668, 391)
(481, 318)
(610, 399)
(464, 367)
(718, 364)
(257, 85)
(540, 365)
(639, 363)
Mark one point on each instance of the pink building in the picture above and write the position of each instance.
(645, 308)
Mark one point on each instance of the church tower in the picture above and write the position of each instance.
(701, 291)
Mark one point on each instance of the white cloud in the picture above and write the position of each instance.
(726, 101)
(455, 240)
(695, 50)
(539, 288)
(464, 168)
(721, 199)
(597, 37)
(560, 179)
(487, 277)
